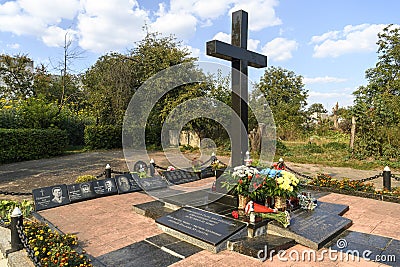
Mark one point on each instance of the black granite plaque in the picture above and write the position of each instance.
(49, 197)
(126, 183)
(207, 172)
(105, 187)
(180, 176)
(314, 228)
(82, 191)
(152, 183)
(203, 225)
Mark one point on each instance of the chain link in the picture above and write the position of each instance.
(15, 193)
(298, 173)
(395, 177)
(29, 250)
(371, 178)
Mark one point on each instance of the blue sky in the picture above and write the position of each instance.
(329, 43)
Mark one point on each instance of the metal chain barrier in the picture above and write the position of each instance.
(395, 177)
(29, 250)
(15, 193)
(371, 178)
(361, 180)
(298, 173)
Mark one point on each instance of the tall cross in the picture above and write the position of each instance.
(241, 58)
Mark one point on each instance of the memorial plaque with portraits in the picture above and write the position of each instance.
(82, 191)
(126, 183)
(152, 183)
(50, 197)
(180, 176)
(105, 187)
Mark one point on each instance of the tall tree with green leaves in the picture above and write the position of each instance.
(286, 97)
(16, 73)
(376, 105)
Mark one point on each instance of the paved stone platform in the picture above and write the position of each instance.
(108, 226)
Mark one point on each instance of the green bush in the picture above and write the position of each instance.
(103, 136)
(28, 144)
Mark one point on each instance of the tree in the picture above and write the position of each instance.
(111, 82)
(316, 108)
(376, 105)
(286, 96)
(17, 75)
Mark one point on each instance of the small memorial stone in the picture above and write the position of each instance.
(126, 183)
(49, 197)
(207, 172)
(152, 183)
(180, 176)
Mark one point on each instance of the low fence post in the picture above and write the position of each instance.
(16, 221)
(387, 178)
(152, 168)
(108, 171)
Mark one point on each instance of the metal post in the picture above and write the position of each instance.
(108, 171)
(387, 178)
(152, 168)
(16, 221)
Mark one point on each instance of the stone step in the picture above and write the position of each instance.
(154, 209)
(261, 247)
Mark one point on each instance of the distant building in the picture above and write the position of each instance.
(318, 117)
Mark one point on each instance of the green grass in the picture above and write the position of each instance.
(332, 150)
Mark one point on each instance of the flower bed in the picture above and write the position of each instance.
(49, 247)
(324, 182)
(53, 249)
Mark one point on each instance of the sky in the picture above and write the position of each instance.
(330, 43)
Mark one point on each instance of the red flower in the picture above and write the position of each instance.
(255, 185)
(235, 214)
(257, 175)
(240, 181)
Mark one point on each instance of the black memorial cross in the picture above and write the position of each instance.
(241, 58)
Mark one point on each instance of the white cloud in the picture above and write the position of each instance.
(204, 9)
(14, 46)
(195, 52)
(182, 25)
(329, 99)
(352, 39)
(252, 44)
(110, 25)
(261, 13)
(326, 79)
(26, 17)
(50, 11)
(224, 37)
(280, 49)
(55, 36)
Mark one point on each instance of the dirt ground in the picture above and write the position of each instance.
(28, 175)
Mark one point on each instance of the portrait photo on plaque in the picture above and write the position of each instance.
(126, 183)
(50, 197)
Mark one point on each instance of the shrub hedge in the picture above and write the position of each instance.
(28, 144)
(103, 136)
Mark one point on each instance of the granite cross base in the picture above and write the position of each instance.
(261, 247)
(315, 228)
